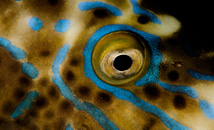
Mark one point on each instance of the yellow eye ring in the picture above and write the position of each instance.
(120, 58)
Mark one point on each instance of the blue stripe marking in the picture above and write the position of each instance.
(182, 89)
(138, 10)
(62, 25)
(85, 6)
(35, 23)
(200, 76)
(207, 108)
(30, 70)
(68, 127)
(25, 104)
(118, 92)
(67, 93)
(16, 52)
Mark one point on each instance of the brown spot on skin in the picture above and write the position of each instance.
(84, 91)
(65, 106)
(84, 127)
(41, 102)
(43, 82)
(101, 13)
(173, 75)
(45, 53)
(8, 107)
(49, 114)
(150, 124)
(103, 98)
(152, 92)
(143, 19)
(74, 62)
(24, 81)
(179, 102)
(53, 92)
(59, 124)
(33, 113)
(18, 93)
(70, 76)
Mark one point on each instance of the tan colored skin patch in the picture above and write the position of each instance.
(51, 110)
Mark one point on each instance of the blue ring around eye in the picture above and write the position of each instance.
(122, 93)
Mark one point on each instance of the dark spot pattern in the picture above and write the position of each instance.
(143, 19)
(18, 93)
(25, 81)
(173, 75)
(44, 53)
(103, 98)
(74, 62)
(150, 124)
(84, 91)
(66, 106)
(41, 102)
(70, 76)
(49, 114)
(152, 92)
(179, 102)
(53, 92)
(33, 113)
(101, 13)
(8, 107)
(43, 82)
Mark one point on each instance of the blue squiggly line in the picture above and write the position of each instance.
(25, 104)
(138, 10)
(85, 6)
(207, 108)
(30, 70)
(118, 92)
(67, 93)
(200, 76)
(182, 89)
(16, 52)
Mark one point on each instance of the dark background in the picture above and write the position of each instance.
(196, 17)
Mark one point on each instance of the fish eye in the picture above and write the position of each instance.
(120, 58)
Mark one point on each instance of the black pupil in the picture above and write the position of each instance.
(122, 62)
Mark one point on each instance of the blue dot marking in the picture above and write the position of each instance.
(200, 76)
(35, 23)
(85, 6)
(30, 70)
(68, 127)
(62, 25)
(25, 104)
(16, 52)
(207, 108)
(67, 93)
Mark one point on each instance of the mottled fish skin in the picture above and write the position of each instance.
(47, 81)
